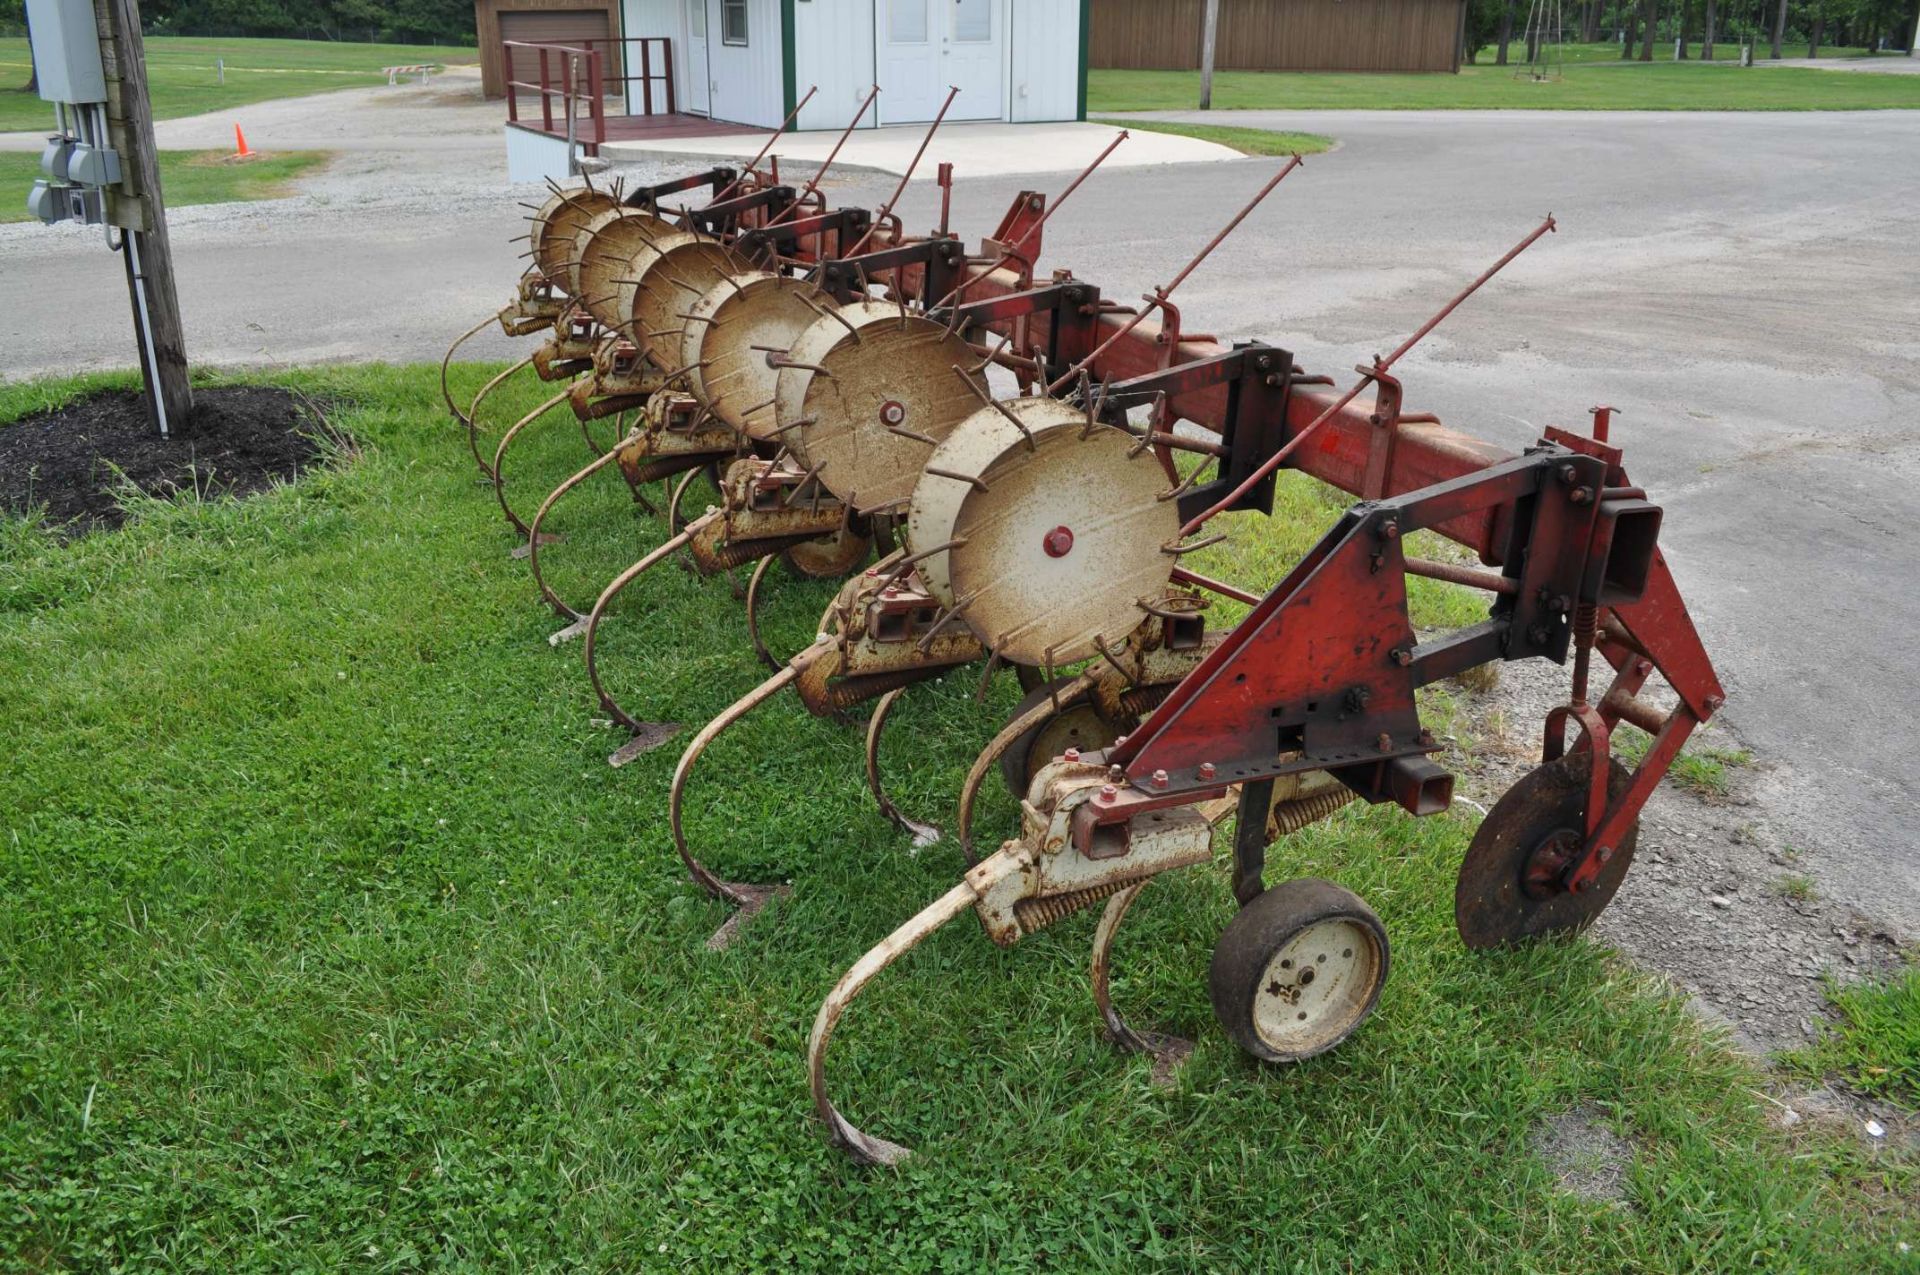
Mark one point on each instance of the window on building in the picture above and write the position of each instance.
(733, 21)
(907, 21)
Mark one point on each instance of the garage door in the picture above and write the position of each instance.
(557, 26)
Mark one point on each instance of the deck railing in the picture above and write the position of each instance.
(572, 83)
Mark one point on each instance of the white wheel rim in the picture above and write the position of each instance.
(1316, 988)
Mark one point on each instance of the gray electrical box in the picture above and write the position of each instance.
(66, 51)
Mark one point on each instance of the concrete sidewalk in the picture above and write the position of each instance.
(974, 150)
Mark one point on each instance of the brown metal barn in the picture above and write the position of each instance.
(538, 22)
(1278, 35)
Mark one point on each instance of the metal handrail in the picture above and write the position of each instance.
(590, 90)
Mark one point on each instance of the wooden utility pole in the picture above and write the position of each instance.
(136, 207)
(1209, 28)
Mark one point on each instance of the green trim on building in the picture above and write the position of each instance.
(1086, 41)
(790, 76)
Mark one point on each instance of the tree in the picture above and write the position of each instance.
(1779, 28)
(1706, 35)
(1650, 17)
(1481, 21)
(1506, 33)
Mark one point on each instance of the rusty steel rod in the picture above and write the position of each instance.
(953, 91)
(813, 182)
(1158, 296)
(1279, 458)
(785, 124)
(1034, 229)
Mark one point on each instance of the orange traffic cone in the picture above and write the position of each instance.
(240, 143)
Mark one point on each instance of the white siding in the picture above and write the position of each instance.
(1046, 59)
(748, 87)
(655, 18)
(833, 50)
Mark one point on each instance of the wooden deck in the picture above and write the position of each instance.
(634, 128)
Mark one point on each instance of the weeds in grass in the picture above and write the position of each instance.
(1875, 1047)
(1796, 887)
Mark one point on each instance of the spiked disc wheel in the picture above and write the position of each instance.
(1054, 530)
(1509, 888)
(556, 227)
(670, 274)
(1298, 970)
(728, 334)
(867, 392)
(608, 246)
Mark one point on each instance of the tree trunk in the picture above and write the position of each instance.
(1706, 35)
(1813, 34)
(1650, 16)
(1913, 29)
(1680, 32)
(1779, 28)
(1506, 33)
(1630, 31)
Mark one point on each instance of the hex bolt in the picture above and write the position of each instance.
(1389, 531)
(1115, 774)
(1206, 770)
(1581, 495)
(1159, 779)
(1568, 473)
(1606, 853)
(1059, 542)
(892, 412)
(1402, 656)
(1072, 754)
(1384, 743)
(1107, 793)
(1120, 742)
(1426, 738)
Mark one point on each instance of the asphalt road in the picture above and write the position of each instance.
(1741, 287)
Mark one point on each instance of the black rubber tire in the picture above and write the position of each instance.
(1258, 934)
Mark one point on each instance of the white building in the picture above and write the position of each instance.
(750, 61)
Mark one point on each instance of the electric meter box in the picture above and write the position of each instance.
(66, 51)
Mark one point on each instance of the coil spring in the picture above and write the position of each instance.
(1291, 816)
(1142, 700)
(1038, 913)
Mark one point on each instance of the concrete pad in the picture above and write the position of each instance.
(1884, 64)
(974, 150)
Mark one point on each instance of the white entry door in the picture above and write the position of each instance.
(693, 85)
(926, 45)
(976, 56)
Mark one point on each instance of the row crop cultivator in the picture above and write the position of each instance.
(843, 382)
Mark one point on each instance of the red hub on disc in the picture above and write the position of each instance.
(1059, 542)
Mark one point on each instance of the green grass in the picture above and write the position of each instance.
(1658, 86)
(186, 177)
(331, 941)
(182, 79)
(1876, 1046)
(1701, 767)
(1725, 49)
(1248, 141)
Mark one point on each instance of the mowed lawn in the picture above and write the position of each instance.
(1662, 85)
(331, 941)
(183, 78)
(187, 177)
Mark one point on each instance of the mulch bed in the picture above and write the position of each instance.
(72, 460)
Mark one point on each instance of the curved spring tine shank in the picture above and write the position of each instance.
(841, 1132)
(1167, 1052)
(990, 756)
(472, 418)
(923, 834)
(446, 394)
(500, 456)
(675, 524)
(753, 621)
(748, 898)
(665, 550)
(533, 552)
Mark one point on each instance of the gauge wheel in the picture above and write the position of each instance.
(1077, 725)
(1298, 970)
